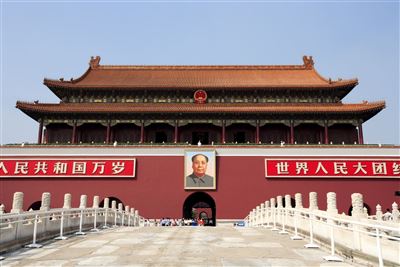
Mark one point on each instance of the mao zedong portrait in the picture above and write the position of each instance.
(199, 178)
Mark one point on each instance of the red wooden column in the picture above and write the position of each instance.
(112, 134)
(46, 136)
(291, 133)
(108, 133)
(73, 138)
(40, 134)
(257, 131)
(326, 136)
(223, 132)
(134, 134)
(142, 132)
(176, 132)
(360, 134)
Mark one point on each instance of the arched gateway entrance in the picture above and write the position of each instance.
(200, 205)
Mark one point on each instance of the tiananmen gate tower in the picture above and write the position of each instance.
(136, 132)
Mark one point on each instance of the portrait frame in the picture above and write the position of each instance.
(210, 170)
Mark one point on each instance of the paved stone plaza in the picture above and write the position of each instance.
(173, 246)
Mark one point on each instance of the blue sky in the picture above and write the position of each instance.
(53, 40)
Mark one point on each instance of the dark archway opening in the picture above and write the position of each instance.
(35, 205)
(200, 205)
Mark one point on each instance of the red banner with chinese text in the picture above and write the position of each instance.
(309, 167)
(66, 167)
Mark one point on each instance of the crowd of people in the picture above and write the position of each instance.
(177, 222)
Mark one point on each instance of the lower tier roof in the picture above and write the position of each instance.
(363, 110)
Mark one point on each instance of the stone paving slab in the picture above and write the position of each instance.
(173, 246)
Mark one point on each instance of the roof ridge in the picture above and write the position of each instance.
(94, 63)
(202, 67)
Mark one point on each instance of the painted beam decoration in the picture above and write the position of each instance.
(67, 166)
(332, 167)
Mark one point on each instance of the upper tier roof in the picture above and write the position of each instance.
(206, 77)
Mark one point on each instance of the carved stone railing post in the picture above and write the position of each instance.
(358, 205)
(313, 206)
(365, 212)
(106, 203)
(332, 210)
(258, 211)
(273, 202)
(83, 202)
(395, 212)
(313, 201)
(262, 215)
(127, 214)
(82, 206)
(357, 213)
(96, 200)
(298, 205)
(2, 209)
(279, 200)
(256, 214)
(279, 207)
(273, 209)
(285, 214)
(137, 218)
(18, 202)
(106, 206)
(267, 213)
(133, 216)
(288, 202)
(120, 210)
(379, 213)
(95, 206)
(46, 198)
(331, 203)
(67, 201)
(114, 209)
(299, 201)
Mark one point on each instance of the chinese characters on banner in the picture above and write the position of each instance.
(308, 167)
(23, 167)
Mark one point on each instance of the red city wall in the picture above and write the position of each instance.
(158, 190)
